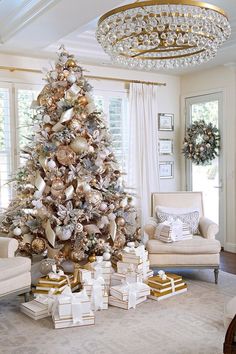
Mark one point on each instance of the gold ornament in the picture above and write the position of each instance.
(76, 256)
(120, 221)
(83, 115)
(65, 155)
(70, 63)
(79, 145)
(92, 258)
(38, 245)
(57, 184)
(82, 101)
(94, 197)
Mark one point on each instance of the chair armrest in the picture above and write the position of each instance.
(150, 227)
(8, 247)
(208, 228)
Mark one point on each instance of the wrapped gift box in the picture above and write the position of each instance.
(134, 259)
(165, 285)
(113, 301)
(124, 291)
(87, 320)
(124, 268)
(66, 304)
(117, 278)
(34, 309)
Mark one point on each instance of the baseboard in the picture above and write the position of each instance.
(230, 247)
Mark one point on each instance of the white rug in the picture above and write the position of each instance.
(191, 323)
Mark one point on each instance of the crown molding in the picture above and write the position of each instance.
(22, 15)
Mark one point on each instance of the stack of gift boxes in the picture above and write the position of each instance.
(165, 285)
(133, 267)
(127, 288)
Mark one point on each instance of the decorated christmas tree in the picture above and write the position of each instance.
(69, 194)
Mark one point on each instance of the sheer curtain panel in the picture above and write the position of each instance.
(143, 173)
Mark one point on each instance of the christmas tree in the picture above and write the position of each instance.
(69, 194)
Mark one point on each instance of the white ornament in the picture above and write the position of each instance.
(111, 216)
(112, 206)
(71, 78)
(103, 206)
(79, 145)
(17, 231)
(51, 164)
(46, 118)
(91, 149)
(86, 187)
(58, 230)
(106, 256)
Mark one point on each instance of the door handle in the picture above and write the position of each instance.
(218, 187)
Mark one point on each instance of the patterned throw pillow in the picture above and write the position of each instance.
(191, 219)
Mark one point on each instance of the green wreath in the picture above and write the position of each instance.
(201, 143)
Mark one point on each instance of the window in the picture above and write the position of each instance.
(14, 131)
(25, 114)
(5, 146)
(115, 108)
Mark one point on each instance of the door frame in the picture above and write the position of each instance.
(187, 100)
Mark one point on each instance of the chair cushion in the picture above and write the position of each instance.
(11, 267)
(197, 245)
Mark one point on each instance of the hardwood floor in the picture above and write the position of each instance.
(228, 262)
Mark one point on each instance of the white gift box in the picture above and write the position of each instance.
(35, 309)
(133, 258)
(125, 304)
(86, 320)
(125, 268)
(117, 278)
(130, 292)
(68, 304)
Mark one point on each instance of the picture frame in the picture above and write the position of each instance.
(166, 169)
(165, 121)
(166, 146)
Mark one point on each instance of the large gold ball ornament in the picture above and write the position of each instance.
(82, 101)
(79, 145)
(70, 63)
(65, 155)
(92, 258)
(94, 197)
(38, 245)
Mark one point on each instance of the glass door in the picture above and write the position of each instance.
(207, 179)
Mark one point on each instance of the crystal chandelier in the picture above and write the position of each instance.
(163, 34)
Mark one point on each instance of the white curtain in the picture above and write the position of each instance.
(143, 172)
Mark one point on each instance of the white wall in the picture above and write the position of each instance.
(168, 100)
(219, 79)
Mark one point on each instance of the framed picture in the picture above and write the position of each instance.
(166, 169)
(165, 146)
(166, 121)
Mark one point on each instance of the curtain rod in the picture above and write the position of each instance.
(12, 69)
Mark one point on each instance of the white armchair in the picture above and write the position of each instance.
(15, 272)
(203, 251)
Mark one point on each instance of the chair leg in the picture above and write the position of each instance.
(216, 273)
(26, 296)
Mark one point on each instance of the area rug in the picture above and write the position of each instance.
(191, 323)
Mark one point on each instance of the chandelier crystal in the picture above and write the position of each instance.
(163, 34)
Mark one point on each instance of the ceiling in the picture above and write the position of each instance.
(37, 28)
